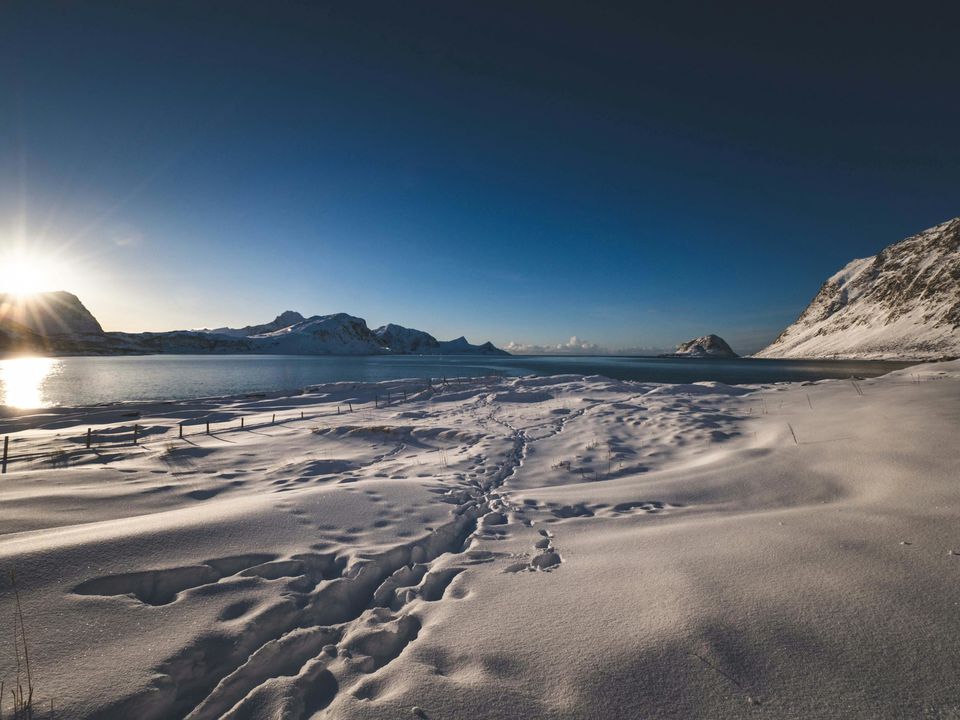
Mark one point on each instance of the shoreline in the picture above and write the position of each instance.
(88, 381)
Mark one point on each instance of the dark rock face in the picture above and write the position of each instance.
(404, 340)
(407, 341)
(904, 302)
(52, 315)
(710, 346)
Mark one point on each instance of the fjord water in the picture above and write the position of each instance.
(82, 381)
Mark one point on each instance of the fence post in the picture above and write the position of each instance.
(208, 428)
(135, 429)
(376, 400)
(338, 409)
(88, 438)
(6, 446)
(351, 406)
(274, 420)
(301, 414)
(181, 431)
(241, 422)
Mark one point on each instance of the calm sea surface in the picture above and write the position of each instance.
(78, 381)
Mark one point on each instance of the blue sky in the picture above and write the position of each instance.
(521, 173)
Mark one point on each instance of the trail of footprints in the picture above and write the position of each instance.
(329, 627)
(332, 626)
(583, 510)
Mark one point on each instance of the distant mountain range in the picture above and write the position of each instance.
(58, 323)
(902, 303)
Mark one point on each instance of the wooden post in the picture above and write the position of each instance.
(301, 414)
(338, 409)
(6, 447)
(208, 428)
(376, 400)
(88, 438)
(241, 422)
(351, 406)
(181, 431)
(274, 420)
(135, 429)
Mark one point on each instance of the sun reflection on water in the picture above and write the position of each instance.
(22, 380)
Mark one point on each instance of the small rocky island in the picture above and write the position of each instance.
(707, 346)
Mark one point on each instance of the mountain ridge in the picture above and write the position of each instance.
(58, 323)
(284, 319)
(902, 303)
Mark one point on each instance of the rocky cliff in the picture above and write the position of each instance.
(902, 303)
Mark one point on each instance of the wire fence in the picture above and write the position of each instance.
(28, 449)
(32, 447)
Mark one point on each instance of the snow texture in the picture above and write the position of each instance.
(548, 547)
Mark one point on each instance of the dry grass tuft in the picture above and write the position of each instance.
(20, 693)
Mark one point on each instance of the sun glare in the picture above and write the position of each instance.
(21, 275)
(22, 381)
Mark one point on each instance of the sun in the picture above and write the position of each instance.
(25, 275)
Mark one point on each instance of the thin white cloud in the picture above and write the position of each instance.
(126, 236)
(576, 346)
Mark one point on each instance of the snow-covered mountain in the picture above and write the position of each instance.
(407, 341)
(292, 334)
(283, 320)
(460, 346)
(904, 302)
(59, 323)
(338, 334)
(706, 346)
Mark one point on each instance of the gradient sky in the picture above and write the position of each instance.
(519, 172)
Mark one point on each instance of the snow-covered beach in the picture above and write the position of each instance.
(550, 547)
